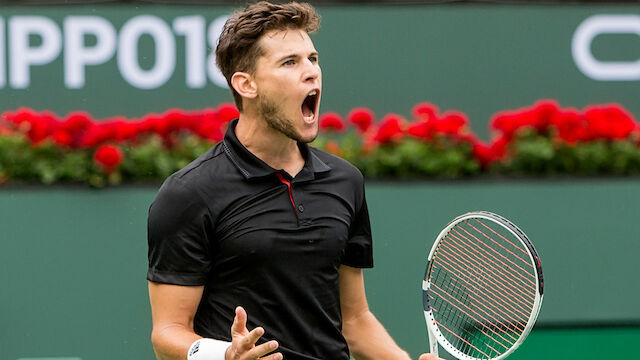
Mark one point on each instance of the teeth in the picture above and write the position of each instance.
(313, 93)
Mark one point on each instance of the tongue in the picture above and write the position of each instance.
(306, 110)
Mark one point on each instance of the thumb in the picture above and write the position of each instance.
(239, 326)
(428, 356)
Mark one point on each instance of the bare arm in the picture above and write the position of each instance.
(365, 335)
(173, 308)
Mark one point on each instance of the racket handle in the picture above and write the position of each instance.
(433, 342)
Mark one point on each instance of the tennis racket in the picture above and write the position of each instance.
(482, 289)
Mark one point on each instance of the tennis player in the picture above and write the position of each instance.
(256, 248)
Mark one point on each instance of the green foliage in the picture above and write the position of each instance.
(534, 154)
(153, 158)
(418, 159)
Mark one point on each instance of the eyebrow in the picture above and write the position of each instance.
(293, 56)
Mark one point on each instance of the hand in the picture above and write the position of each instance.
(428, 356)
(243, 342)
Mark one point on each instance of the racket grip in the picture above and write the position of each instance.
(433, 343)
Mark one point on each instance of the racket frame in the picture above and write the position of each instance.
(435, 335)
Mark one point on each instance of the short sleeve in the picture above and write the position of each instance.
(179, 248)
(359, 251)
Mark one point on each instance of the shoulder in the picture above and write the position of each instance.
(339, 166)
(201, 168)
(188, 182)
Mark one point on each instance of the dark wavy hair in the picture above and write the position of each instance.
(238, 47)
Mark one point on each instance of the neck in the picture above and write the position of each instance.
(268, 144)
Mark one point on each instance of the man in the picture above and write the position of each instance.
(264, 232)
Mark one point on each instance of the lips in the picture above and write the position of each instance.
(310, 105)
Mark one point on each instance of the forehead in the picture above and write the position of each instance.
(276, 43)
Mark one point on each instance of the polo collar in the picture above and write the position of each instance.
(252, 167)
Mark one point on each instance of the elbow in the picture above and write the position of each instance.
(352, 330)
(156, 343)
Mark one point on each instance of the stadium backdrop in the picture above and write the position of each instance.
(73, 260)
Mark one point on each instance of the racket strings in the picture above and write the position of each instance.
(525, 262)
(480, 292)
(505, 239)
(499, 255)
(474, 315)
(495, 315)
(483, 317)
(521, 276)
(498, 275)
(500, 319)
(485, 275)
(461, 323)
(493, 303)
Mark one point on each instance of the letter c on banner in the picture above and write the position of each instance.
(605, 24)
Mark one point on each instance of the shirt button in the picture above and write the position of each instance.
(300, 208)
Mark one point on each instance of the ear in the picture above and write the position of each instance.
(243, 83)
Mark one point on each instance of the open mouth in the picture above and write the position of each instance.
(309, 105)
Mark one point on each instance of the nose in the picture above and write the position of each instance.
(312, 71)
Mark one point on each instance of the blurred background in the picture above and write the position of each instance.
(525, 108)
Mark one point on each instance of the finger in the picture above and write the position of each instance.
(428, 356)
(239, 326)
(274, 356)
(250, 339)
(262, 349)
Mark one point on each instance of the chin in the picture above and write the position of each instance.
(307, 138)
(308, 135)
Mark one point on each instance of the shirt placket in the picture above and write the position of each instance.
(296, 199)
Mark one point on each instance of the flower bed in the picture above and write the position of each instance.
(537, 140)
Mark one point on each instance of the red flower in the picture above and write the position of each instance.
(160, 125)
(62, 138)
(425, 111)
(483, 153)
(176, 120)
(543, 113)
(96, 135)
(499, 147)
(505, 122)
(390, 129)
(332, 122)
(124, 130)
(209, 125)
(37, 126)
(609, 122)
(227, 112)
(108, 158)
(452, 123)
(422, 129)
(148, 123)
(570, 125)
(362, 118)
(76, 122)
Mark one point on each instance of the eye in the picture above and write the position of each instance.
(313, 59)
(289, 62)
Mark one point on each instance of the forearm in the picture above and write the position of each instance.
(368, 339)
(172, 342)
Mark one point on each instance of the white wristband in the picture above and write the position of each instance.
(208, 349)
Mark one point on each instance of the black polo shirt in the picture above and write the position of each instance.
(255, 237)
